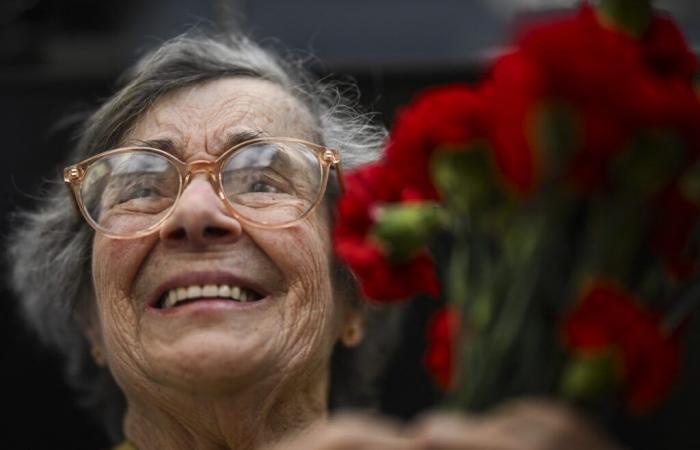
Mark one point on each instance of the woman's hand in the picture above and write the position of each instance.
(532, 424)
(352, 432)
(520, 425)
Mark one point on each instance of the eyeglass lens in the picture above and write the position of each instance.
(266, 182)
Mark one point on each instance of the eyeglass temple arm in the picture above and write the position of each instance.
(339, 175)
(73, 175)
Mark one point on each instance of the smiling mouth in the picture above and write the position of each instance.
(190, 294)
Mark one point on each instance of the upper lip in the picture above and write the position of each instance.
(204, 278)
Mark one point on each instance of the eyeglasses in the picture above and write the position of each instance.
(264, 182)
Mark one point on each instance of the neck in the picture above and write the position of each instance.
(249, 420)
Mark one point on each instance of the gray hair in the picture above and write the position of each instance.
(50, 247)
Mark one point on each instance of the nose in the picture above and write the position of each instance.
(200, 219)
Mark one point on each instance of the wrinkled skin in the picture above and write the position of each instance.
(231, 377)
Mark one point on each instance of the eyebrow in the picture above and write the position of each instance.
(231, 140)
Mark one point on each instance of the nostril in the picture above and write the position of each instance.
(200, 219)
(178, 234)
(215, 232)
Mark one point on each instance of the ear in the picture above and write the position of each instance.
(353, 330)
(93, 332)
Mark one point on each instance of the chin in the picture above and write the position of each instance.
(208, 363)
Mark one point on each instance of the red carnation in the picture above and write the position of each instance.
(666, 51)
(617, 86)
(513, 92)
(444, 118)
(583, 61)
(367, 189)
(609, 318)
(602, 138)
(440, 355)
(597, 71)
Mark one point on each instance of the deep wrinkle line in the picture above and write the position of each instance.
(168, 145)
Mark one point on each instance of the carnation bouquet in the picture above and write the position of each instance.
(554, 207)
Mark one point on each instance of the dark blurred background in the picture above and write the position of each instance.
(58, 58)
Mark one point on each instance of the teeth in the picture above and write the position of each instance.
(235, 293)
(210, 290)
(194, 291)
(171, 299)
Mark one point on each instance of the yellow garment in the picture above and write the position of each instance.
(124, 446)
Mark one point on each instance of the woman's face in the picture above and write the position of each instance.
(217, 346)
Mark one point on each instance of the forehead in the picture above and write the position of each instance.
(205, 117)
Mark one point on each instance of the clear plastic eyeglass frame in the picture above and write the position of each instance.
(328, 158)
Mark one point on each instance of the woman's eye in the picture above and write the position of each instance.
(262, 186)
(142, 193)
(138, 193)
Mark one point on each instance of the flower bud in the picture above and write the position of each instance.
(403, 229)
(630, 16)
(587, 377)
(465, 178)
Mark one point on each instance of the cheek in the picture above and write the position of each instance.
(302, 252)
(308, 309)
(115, 263)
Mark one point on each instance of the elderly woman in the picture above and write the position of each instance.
(198, 272)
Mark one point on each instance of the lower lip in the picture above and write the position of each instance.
(208, 305)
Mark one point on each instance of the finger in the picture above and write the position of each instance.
(458, 432)
(442, 422)
(531, 405)
(544, 424)
(351, 433)
(538, 414)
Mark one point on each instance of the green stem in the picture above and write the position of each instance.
(489, 348)
(525, 272)
(458, 274)
(687, 301)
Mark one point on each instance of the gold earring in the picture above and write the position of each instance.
(98, 356)
(351, 335)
